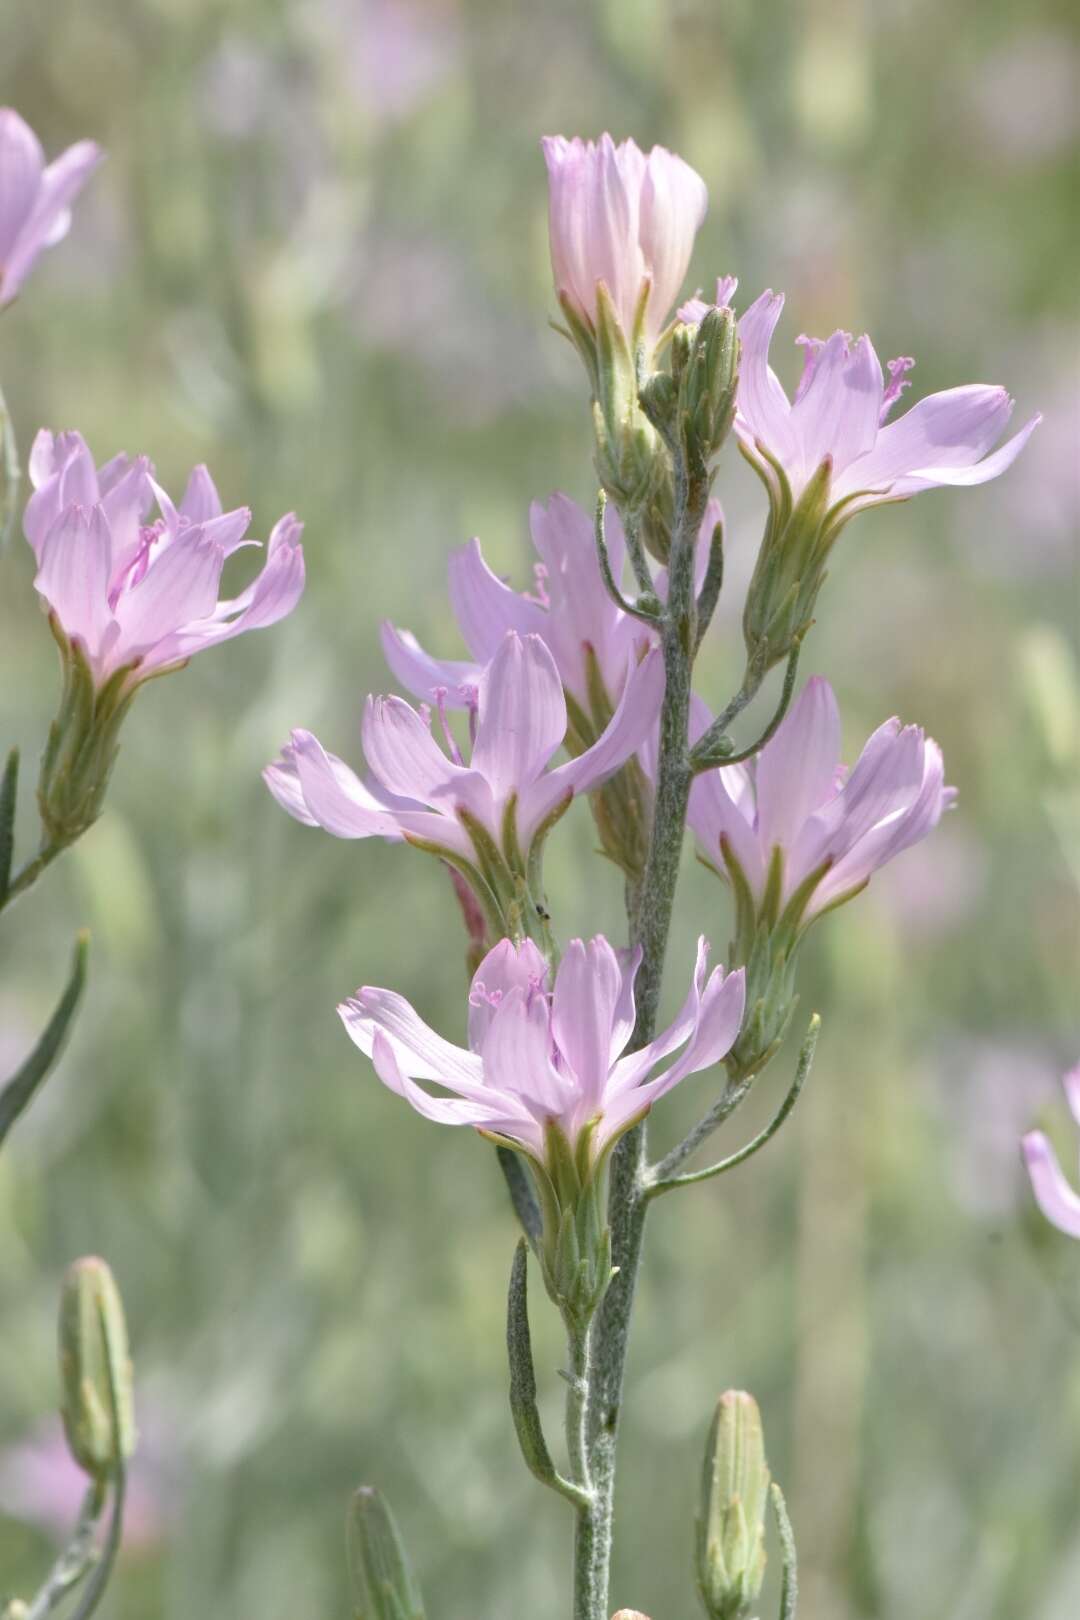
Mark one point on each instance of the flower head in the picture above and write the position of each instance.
(489, 812)
(840, 413)
(1059, 1202)
(35, 199)
(137, 595)
(794, 831)
(542, 1054)
(593, 642)
(624, 219)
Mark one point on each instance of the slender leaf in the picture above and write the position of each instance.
(21, 1087)
(9, 787)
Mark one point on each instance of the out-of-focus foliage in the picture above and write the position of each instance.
(317, 260)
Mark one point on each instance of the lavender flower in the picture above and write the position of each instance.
(35, 199)
(624, 219)
(136, 596)
(592, 641)
(840, 414)
(794, 830)
(489, 814)
(540, 1056)
(1059, 1202)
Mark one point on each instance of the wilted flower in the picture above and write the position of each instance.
(35, 199)
(1059, 1202)
(793, 828)
(624, 219)
(830, 452)
(541, 1056)
(489, 814)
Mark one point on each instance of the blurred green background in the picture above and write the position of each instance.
(317, 259)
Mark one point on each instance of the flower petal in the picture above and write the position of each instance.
(796, 770)
(73, 577)
(424, 1054)
(1057, 1200)
(485, 607)
(522, 716)
(421, 674)
(588, 988)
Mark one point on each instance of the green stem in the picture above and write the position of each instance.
(650, 926)
(592, 1532)
(32, 871)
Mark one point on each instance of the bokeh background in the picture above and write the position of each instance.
(317, 259)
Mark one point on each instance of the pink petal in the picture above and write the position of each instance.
(443, 1110)
(181, 584)
(49, 218)
(517, 1056)
(201, 501)
(588, 988)
(838, 414)
(948, 430)
(796, 770)
(764, 412)
(402, 753)
(73, 577)
(421, 674)
(424, 1054)
(21, 164)
(522, 716)
(485, 607)
(1057, 1200)
(673, 205)
(506, 967)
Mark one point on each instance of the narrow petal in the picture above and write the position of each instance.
(401, 751)
(1071, 1083)
(764, 412)
(334, 795)
(421, 674)
(21, 164)
(982, 472)
(838, 414)
(517, 1056)
(673, 204)
(1057, 1200)
(719, 1021)
(422, 1052)
(948, 430)
(181, 584)
(485, 607)
(49, 218)
(442, 1110)
(73, 576)
(633, 1068)
(201, 501)
(796, 770)
(522, 716)
(634, 718)
(588, 987)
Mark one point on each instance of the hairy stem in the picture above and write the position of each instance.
(592, 1534)
(650, 925)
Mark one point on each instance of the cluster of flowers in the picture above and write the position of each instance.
(565, 665)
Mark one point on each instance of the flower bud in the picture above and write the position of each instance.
(629, 1614)
(731, 1521)
(383, 1584)
(95, 1369)
(82, 744)
(575, 1244)
(790, 567)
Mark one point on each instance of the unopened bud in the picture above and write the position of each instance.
(731, 1521)
(95, 1369)
(383, 1584)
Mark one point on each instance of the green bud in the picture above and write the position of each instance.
(791, 564)
(731, 1520)
(383, 1584)
(575, 1244)
(709, 384)
(82, 744)
(95, 1369)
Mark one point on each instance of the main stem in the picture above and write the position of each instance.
(650, 924)
(592, 1535)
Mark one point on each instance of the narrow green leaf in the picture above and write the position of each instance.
(9, 787)
(523, 1405)
(789, 1590)
(21, 1087)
